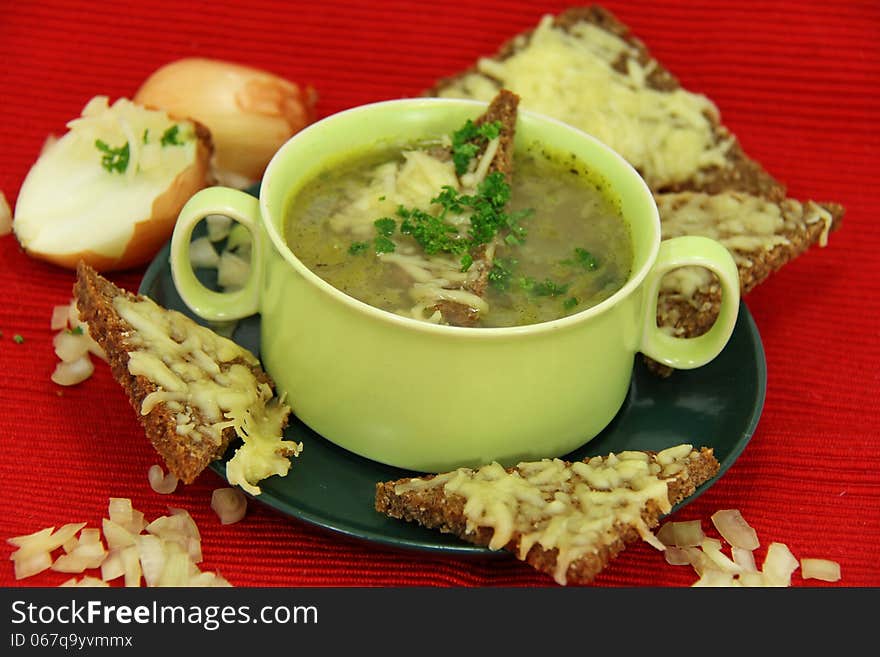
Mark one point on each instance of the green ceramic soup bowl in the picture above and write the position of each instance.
(431, 397)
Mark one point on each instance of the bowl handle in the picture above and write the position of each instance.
(688, 353)
(208, 304)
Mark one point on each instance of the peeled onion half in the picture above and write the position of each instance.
(250, 112)
(109, 191)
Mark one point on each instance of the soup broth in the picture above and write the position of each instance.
(568, 248)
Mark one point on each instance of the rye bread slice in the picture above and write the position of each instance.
(808, 222)
(502, 109)
(437, 506)
(184, 455)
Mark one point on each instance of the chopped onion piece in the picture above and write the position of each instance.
(73, 319)
(41, 536)
(717, 578)
(239, 241)
(89, 552)
(44, 540)
(70, 346)
(181, 529)
(166, 556)
(207, 579)
(753, 579)
(676, 556)
(735, 530)
(218, 225)
(33, 563)
(86, 582)
(821, 569)
(112, 566)
(76, 563)
(132, 566)
(712, 549)
(779, 564)
(125, 516)
(682, 534)
(59, 317)
(91, 536)
(230, 505)
(152, 558)
(203, 254)
(116, 535)
(69, 374)
(745, 559)
(160, 482)
(178, 567)
(232, 271)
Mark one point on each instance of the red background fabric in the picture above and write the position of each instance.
(797, 82)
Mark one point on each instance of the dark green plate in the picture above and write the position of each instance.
(717, 405)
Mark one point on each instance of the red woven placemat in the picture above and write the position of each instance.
(797, 82)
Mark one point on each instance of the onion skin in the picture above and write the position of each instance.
(249, 112)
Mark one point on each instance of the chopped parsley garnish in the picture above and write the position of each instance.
(464, 147)
(584, 259)
(146, 135)
(17, 338)
(113, 159)
(570, 303)
(171, 137)
(432, 233)
(384, 244)
(486, 209)
(76, 331)
(487, 217)
(545, 288)
(385, 226)
(357, 248)
(501, 273)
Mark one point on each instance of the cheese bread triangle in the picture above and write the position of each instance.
(568, 520)
(194, 391)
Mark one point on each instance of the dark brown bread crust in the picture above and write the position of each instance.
(433, 509)
(503, 109)
(94, 296)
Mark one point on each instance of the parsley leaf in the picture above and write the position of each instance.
(384, 244)
(113, 159)
(570, 303)
(171, 137)
(385, 226)
(584, 259)
(545, 288)
(432, 233)
(466, 261)
(357, 248)
(501, 273)
(463, 146)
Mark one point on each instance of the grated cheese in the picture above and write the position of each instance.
(207, 382)
(572, 508)
(413, 183)
(669, 136)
